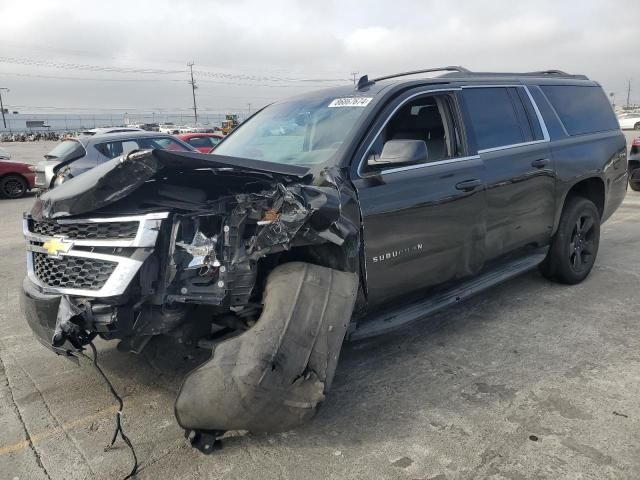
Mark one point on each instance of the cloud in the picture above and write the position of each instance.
(302, 39)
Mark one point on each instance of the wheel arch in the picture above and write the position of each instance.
(592, 188)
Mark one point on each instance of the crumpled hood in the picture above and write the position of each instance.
(117, 178)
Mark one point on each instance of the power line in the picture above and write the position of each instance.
(92, 79)
(154, 80)
(157, 71)
(91, 68)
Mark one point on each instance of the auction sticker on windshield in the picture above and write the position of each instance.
(350, 102)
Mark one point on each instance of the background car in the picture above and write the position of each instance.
(76, 155)
(203, 142)
(634, 165)
(16, 178)
(4, 154)
(169, 128)
(629, 121)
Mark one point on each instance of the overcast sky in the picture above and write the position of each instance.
(82, 56)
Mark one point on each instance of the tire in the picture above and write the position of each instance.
(273, 376)
(574, 247)
(636, 126)
(13, 186)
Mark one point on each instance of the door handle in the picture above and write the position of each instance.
(540, 163)
(468, 185)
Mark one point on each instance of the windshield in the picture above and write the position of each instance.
(305, 131)
(67, 150)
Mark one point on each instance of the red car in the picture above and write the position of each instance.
(203, 142)
(16, 179)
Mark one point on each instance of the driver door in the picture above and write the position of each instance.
(423, 223)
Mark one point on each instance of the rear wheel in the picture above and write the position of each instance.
(636, 126)
(13, 186)
(575, 245)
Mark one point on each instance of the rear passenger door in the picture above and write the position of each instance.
(513, 143)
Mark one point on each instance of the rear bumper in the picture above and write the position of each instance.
(41, 311)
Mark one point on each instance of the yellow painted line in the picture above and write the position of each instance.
(38, 437)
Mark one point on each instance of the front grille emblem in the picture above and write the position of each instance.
(55, 246)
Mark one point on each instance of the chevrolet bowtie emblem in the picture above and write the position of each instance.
(56, 246)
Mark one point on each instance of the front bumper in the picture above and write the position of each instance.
(41, 312)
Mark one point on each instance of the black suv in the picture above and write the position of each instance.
(340, 213)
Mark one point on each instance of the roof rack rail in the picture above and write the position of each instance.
(364, 80)
(548, 72)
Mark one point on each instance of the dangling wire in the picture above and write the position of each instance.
(118, 429)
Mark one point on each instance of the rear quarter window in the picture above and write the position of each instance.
(582, 109)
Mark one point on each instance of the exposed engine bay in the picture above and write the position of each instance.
(184, 244)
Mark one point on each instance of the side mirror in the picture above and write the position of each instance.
(401, 151)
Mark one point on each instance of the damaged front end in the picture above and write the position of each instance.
(253, 260)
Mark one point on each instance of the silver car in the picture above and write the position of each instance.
(76, 155)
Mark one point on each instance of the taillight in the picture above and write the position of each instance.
(636, 142)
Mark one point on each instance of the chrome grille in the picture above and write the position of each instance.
(72, 272)
(96, 257)
(85, 231)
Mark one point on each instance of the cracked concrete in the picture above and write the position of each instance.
(530, 380)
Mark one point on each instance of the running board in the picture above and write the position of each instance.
(391, 320)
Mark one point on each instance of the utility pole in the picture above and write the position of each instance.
(193, 90)
(4, 121)
(628, 92)
(354, 75)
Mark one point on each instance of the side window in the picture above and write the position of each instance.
(115, 149)
(110, 149)
(199, 142)
(582, 109)
(429, 119)
(129, 146)
(494, 117)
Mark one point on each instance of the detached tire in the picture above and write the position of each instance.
(273, 376)
(13, 186)
(575, 245)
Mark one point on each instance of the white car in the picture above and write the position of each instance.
(169, 128)
(629, 121)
